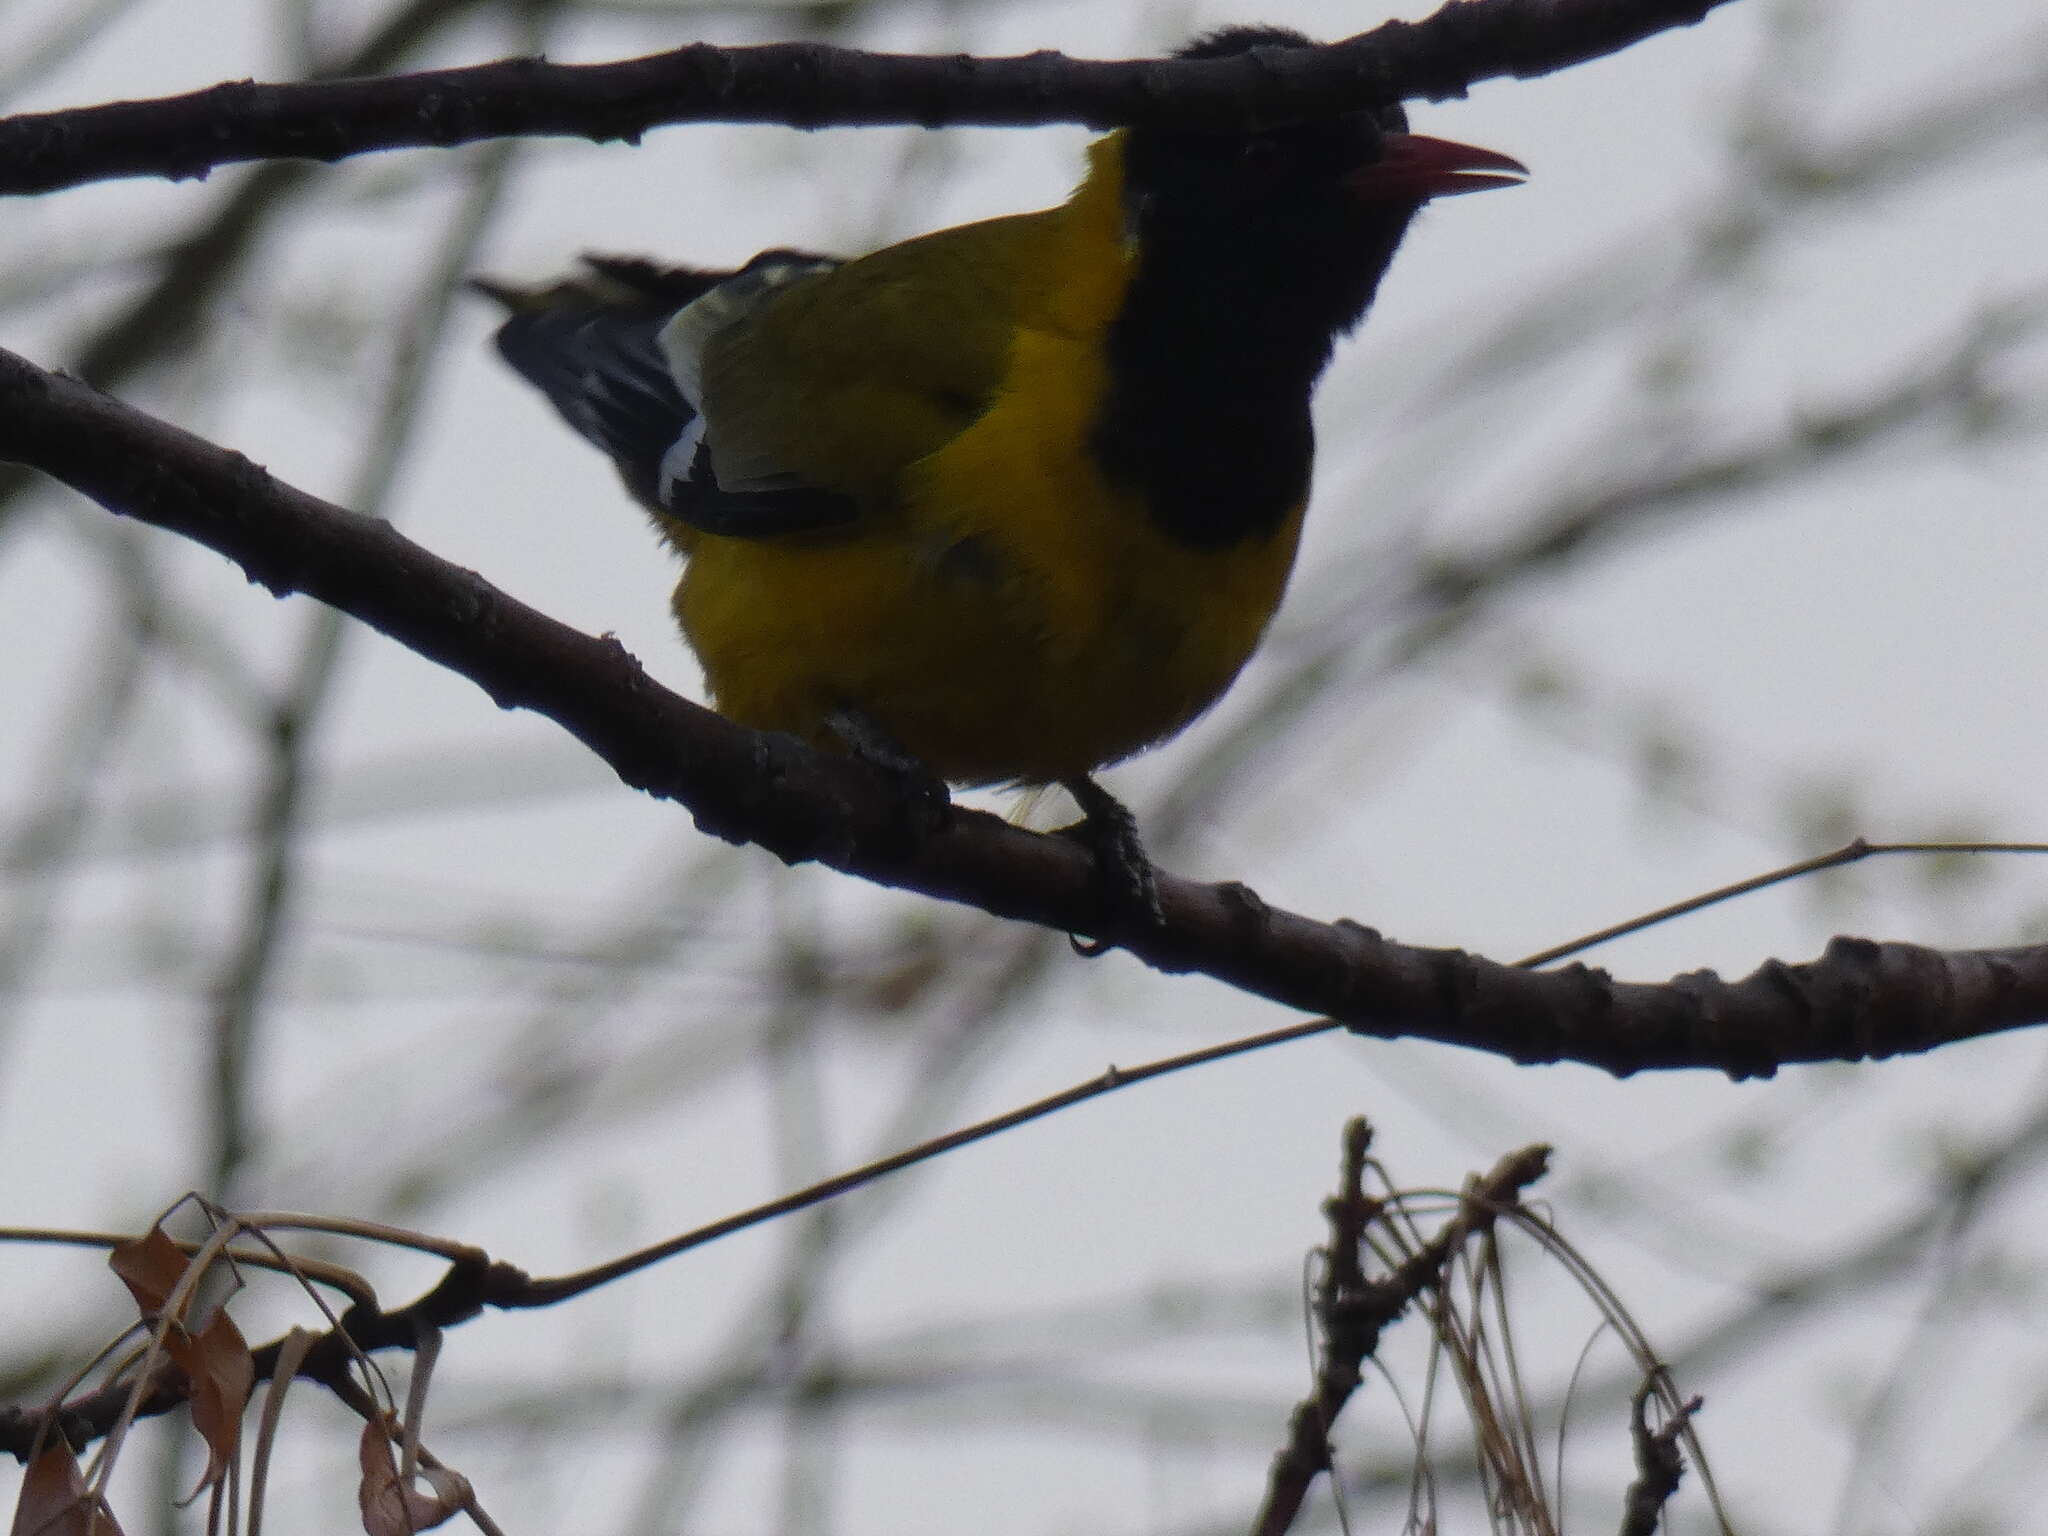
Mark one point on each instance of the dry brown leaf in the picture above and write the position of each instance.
(55, 1501)
(389, 1508)
(215, 1358)
(217, 1364)
(151, 1267)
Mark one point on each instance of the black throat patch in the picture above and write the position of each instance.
(1252, 258)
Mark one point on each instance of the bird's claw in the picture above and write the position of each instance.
(923, 804)
(1125, 880)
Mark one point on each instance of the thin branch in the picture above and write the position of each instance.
(1855, 851)
(474, 1283)
(812, 85)
(316, 1271)
(1354, 1311)
(1860, 1000)
(1658, 1464)
(541, 1293)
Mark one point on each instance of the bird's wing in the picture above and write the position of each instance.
(788, 396)
(593, 344)
(840, 382)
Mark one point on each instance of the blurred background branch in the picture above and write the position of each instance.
(1592, 616)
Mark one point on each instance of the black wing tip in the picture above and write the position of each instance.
(1228, 42)
(510, 297)
(605, 280)
(591, 342)
(602, 282)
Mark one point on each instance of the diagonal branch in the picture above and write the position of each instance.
(1860, 1000)
(812, 85)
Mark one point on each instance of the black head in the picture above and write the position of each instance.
(1324, 201)
(1251, 253)
(1285, 182)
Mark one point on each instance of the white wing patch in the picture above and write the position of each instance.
(680, 459)
(684, 339)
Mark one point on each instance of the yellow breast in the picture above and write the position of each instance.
(1001, 609)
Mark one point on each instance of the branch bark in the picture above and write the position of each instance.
(1860, 1000)
(811, 85)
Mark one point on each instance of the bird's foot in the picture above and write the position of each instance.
(923, 803)
(1124, 878)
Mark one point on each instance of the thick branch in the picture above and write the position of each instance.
(811, 85)
(1860, 1000)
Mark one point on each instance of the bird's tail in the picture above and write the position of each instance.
(592, 344)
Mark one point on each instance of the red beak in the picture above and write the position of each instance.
(1413, 169)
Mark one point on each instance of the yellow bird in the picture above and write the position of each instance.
(1011, 501)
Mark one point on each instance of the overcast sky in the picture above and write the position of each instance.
(1716, 686)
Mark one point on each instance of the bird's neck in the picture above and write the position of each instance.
(1213, 355)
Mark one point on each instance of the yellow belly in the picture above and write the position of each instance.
(1007, 616)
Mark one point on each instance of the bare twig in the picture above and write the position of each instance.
(1853, 852)
(1659, 1465)
(811, 85)
(1353, 1311)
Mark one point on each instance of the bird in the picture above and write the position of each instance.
(1010, 502)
